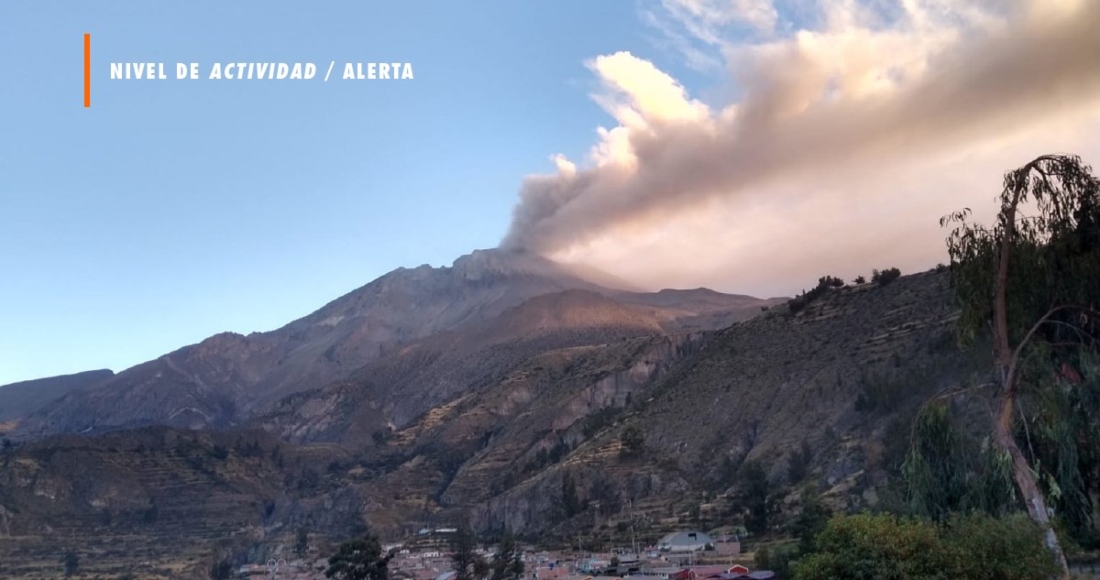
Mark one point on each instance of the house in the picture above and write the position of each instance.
(685, 542)
(727, 546)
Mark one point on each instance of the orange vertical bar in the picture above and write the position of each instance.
(87, 70)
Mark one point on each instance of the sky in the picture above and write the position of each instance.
(745, 145)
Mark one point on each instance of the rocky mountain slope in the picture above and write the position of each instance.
(392, 392)
(514, 404)
(228, 378)
(840, 376)
(160, 503)
(835, 376)
(485, 422)
(26, 397)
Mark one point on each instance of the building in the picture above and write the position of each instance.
(727, 546)
(685, 542)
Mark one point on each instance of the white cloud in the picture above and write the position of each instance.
(847, 142)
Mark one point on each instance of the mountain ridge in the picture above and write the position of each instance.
(227, 378)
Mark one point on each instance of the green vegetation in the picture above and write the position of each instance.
(824, 284)
(544, 457)
(359, 559)
(884, 277)
(71, 562)
(798, 463)
(811, 520)
(600, 419)
(570, 503)
(947, 471)
(508, 562)
(466, 562)
(632, 440)
(778, 560)
(1033, 280)
(756, 498)
(607, 497)
(221, 569)
(976, 547)
(301, 542)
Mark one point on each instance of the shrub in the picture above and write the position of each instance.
(884, 546)
(885, 276)
(824, 283)
(778, 561)
(360, 559)
(221, 570)
(632, 440)
(756, 496)
(71, 562)
(798, 463)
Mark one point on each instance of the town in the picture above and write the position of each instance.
(431, 555)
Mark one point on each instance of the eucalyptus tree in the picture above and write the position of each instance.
(1031, 280)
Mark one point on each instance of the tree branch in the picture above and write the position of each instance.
(1010, 378)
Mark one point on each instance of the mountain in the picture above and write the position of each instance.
(160, 503)
(26, 397)
(551, 388)
(395, 390)
(230, 378)
(840, 376)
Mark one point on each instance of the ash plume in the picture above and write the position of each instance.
(865, 90)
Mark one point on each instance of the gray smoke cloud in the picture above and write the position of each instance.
(860, 92)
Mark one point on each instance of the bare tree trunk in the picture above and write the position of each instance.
(1006, 361)
(1025, 481)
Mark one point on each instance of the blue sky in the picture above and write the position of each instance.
(752, 146)
(172, 210)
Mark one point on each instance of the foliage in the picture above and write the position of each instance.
(570, 504)
(71, 562)
(632, 440)
(994, 548)
(884, 277)
(811, 521)
(543, 457)
(1062, 433)
(1033, 279)
(604, 492)
(301, 542)
(860, 280)
(1054, 256)
(976, 547)
(756, 497)
(798, 463)
(222, 569)
(359, 559)
(508, 562)
(946, 471)
(778, 560)
(599, 419)
(824, 284)
(466, 562)
(151, 513)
